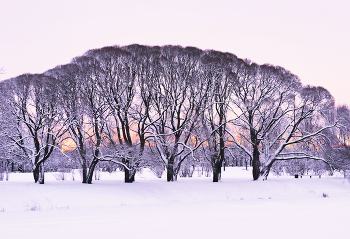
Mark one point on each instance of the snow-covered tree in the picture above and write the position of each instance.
(39, 127)
(218, 77)
(176, 107)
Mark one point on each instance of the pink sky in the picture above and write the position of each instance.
(311, 38)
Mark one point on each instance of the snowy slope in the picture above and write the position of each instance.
(236, 207)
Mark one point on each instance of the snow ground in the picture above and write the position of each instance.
(236, 207)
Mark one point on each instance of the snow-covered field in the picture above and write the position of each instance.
(236, 207)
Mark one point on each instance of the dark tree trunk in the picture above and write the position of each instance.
(216, 173)
(38, 174)
(82, 152)
(256, 153)
(84, 166)
(96, 152)
(41, 174)
(7, 171)
(2, 171)
(171, 174)
(256, 162)
(129, 175)
(91, 171)
(219, 160)
(216, 165)
(84, 174)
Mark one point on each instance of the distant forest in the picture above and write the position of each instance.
(171, 109)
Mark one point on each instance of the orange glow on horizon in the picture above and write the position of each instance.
(68, 145)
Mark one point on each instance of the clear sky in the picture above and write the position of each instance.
(311, 38)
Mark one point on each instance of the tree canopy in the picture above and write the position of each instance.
(160, 107)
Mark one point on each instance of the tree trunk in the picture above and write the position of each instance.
(82, 152)
(216, 173)
(1, 171)
(96, 151)
(41, 174)
(171, 174)
(36, 174)
(256, 153)
(84, 166)
(216, 165)
(129, 175)
(91, 170)
(219, 160)
(7, 171)
(256, 162)
(266, 170)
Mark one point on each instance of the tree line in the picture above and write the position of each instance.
(148, 106)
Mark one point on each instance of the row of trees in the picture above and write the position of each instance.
(141, 106)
